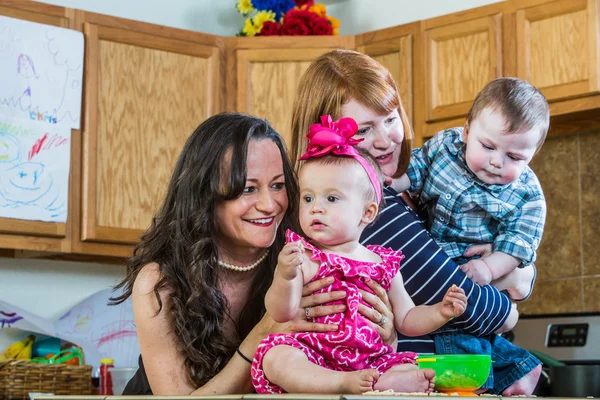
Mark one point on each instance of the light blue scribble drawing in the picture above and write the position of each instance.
(27, 188)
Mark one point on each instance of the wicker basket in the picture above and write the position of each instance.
(19, 378)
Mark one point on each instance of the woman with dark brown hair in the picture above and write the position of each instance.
(345, 83)
(199, 276)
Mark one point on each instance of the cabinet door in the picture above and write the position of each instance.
(463, 52)
(557, 47)
(393, 48)
(145, 94)
(267, 80)
(26, 234)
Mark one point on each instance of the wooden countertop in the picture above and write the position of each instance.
(279, 397)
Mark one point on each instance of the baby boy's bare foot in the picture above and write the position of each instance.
(525, 385)
(359, 381)
(403, 380)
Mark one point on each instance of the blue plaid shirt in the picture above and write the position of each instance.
(464, 210)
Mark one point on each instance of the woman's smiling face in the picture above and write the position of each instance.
(251, 220)
(382, 134)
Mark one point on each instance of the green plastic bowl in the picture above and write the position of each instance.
(457, 372)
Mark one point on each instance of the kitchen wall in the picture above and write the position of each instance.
(568, 262)
(50, 288)
(357, 16)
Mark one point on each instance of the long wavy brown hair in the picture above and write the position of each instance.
(181, 239)
(335, 78)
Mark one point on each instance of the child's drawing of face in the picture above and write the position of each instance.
(25, 183)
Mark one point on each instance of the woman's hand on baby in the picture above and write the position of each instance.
(289, 262)
(380, 313)
(304, 320)
(478, 271)
(314, 305)
(454, 303)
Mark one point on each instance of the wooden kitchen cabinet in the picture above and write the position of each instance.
(558, 47)
(395, 49)
(267, 74)
(37, 235)
(462, 52)
(146, 89)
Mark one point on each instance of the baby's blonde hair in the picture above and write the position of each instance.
(369, 191)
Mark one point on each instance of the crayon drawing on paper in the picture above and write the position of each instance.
(41, 72)
(34, 170)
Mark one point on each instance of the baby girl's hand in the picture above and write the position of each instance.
(454, 303)
(290, 259)
(478, 271)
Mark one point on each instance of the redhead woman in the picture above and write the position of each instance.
(199, 276)
(345, 83)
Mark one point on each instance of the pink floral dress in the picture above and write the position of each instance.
(356, 344)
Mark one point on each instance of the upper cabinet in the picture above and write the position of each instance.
(553, 44)
(26, 234)
(147, 89)
(268, 71)
(558, 47)
(394, 48)
(462, 52)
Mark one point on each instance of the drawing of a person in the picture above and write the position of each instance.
(26, 69)
(25, 66)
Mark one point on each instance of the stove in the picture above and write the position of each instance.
(573, 339)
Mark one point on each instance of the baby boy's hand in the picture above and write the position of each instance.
(454, 303)
(478, 271)
(290, 259)
(400, 185)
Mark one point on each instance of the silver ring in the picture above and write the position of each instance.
(306, 311)
(382, 321)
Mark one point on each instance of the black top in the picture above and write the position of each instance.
(138, 385)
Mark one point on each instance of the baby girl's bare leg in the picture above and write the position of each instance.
(311, 378)
(517, 283)
(407, 378)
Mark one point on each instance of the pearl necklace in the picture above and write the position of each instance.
(246, 268)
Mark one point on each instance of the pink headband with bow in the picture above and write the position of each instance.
(330, 137)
